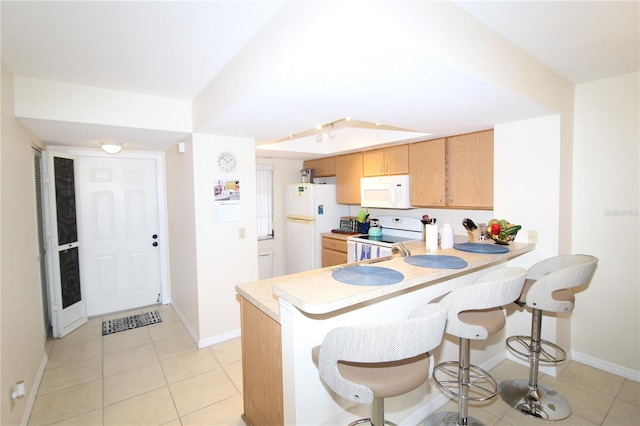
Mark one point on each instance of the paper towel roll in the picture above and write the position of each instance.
(432, 237)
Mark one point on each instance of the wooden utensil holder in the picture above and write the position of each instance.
(474, 236)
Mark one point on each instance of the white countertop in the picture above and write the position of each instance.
(316, 292)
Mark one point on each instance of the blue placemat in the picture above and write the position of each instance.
(481, 248)
(367, 275)
(437, 261)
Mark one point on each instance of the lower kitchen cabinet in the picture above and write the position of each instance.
(334, 251)
(261, 367)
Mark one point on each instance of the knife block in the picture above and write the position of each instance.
(474, 236)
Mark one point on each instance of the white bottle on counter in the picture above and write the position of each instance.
(446, 237)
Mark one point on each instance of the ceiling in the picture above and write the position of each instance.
(316, 69)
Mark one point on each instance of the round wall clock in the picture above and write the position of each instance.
(226, 161)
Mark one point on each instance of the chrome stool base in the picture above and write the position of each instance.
(543, 403)
(369, 422)
(449, 418)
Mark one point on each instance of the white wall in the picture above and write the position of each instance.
(284, 172)
(224, 259)
(22, 334)
(605, 321)
(183, 280)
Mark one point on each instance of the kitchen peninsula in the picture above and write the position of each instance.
(284, 317)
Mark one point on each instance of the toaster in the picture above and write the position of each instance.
(349, 224)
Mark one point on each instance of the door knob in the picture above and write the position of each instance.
(154, 236)
(155, 244)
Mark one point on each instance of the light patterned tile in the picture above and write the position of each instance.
(129, 359)
(55, 379)
(133, 383)
(92, 418)
(151, 408)
(169, 348)
(67, 403)
(516, 418)
(125, 340)
(200, 391)
(622, 413)
(226, 412)
(188, 365)
(585, 401)
(227, 352)
(234, 371)
(592, 377)
(630, 392)
(84, 333)
(121, 314)
(167, 330)
(69, 354)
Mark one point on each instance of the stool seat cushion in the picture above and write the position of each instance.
(493, 320)
(385, 379)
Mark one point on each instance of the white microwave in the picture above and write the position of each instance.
(385, 192)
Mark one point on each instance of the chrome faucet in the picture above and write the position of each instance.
(404, 252)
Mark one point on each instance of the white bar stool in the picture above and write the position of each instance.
(474, 313)
(367, 363)
(546, 289)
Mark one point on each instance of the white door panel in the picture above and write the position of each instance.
(122, 264)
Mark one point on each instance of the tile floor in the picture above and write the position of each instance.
(156, 375)
(151, 375)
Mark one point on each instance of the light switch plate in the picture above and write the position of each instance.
(533, 237)
(241, 233)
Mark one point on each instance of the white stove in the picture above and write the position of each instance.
(395, 229)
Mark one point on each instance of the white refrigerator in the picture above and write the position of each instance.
(311, 209)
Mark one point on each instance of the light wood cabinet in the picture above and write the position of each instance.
(322, 167)
(348, 174)
(470, 170)
(393, 160)
(427, 173)
(454, 172)
(334, 251)
(261, 367)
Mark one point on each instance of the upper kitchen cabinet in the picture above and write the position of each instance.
(322, 167)
(393, 160)
(348, 174)
(427, 173)
(470, 170)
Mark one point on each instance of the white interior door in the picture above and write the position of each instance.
(120, 233)
(66, 298)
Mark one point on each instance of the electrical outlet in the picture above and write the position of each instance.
(241, 233)
(533, 237)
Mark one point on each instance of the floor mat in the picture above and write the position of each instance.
(130, 322)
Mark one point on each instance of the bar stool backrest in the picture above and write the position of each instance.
(558, 273)
(493, 289)
(378, 343)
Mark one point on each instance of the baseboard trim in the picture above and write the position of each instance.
(607, 366)
(31, 400)
(213, 340)
(209, 341)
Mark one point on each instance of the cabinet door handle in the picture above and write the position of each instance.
(451, 198)
(386, 168)
(441, 199)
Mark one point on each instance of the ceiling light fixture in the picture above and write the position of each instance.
(319, 136)
(330, 132)
(111, 147)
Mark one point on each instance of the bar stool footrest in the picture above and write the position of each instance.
(539, 402)
(369, 422)
(445, 374)
(449, 418)
(544, 356)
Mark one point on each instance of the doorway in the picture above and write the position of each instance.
(121, 230)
